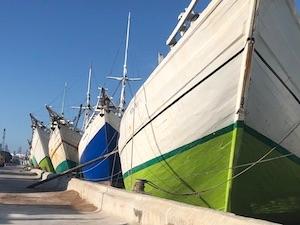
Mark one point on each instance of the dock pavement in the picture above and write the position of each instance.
(20, 205)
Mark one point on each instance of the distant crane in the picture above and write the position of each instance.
(3, 139)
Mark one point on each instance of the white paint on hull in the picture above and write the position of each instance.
(222, 30)
(63, 145)
(271, 109)
(40, 140)
(210, 42)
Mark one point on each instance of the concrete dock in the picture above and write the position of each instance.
(69, 200)
(19, 205)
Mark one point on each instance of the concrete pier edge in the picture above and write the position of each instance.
(150, 210)
(38, 172)
(57, 184)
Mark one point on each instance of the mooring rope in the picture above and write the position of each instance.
(251, 165)
(105, 150)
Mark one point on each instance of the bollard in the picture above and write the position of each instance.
(139, 186)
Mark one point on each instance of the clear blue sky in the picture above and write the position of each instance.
(44, 43)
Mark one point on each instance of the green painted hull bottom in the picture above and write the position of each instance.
(46, 164)
(200, 164)
(269, 190)
(65, 165)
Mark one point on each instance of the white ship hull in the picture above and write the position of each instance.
(100, 138)
(63, 148)
(226, 96)
(39, 149)
(40, 140)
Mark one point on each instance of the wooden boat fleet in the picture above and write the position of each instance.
(216, 124)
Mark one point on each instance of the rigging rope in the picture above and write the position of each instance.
(115, 58)
(105, 150)
(116, 89)
(55, 176)
(166, 165)
(104, 178)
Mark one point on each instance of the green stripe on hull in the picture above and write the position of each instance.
(185, 148)
(269, 190)
(65, 165)
(46, 164)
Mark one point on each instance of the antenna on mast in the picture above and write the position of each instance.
(124, 77)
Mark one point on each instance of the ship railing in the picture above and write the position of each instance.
(185, 19)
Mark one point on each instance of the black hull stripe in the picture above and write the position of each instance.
(277, 76)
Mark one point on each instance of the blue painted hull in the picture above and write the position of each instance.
(108, 169)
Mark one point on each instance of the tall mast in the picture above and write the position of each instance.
(3, 139)
(124, 78)
(88, 94)
(63, 100)
(87, 108)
